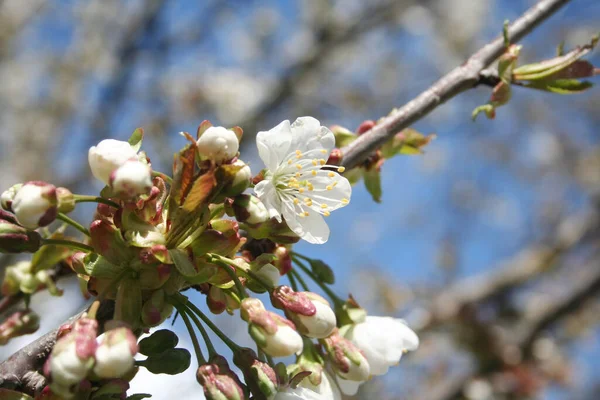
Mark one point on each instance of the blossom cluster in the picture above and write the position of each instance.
(214, 228)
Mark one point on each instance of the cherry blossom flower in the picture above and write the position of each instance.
(298, 185)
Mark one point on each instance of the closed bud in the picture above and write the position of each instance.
(35, 204)
(16, 239)
(274, 334)
(347, 360)
(156, 309)
(218, 381)
(21, 278)
(109, 155)
(72, 357)
(218, 144)
(114, 355)
(20, 323)
(283, 260)
(259, 376)
(107, 241)
(8, 195)
(310, 312)
(241, 179)
(131, 179)
(249, 210)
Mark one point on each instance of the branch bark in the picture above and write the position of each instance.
(455, 82)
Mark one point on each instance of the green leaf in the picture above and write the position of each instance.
(200, 191)
(171, 362)
(50, 255)
(372, 179)
(488, 109)
(322, 271)
(561, 86)
(135, 140)
(182, 262)
(407, 142)
(139, 396)
(128, 305)
(159, 342)
(97, 266)
(6, 394)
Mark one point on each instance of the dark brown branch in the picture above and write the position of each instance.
(456, 81)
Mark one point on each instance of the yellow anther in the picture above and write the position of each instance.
(310, 187)
(314, 172)
(322, 162)
(306, 213)
(296, 201)
(298, 166)
(323, 205)
(335, 184)
(341, 169)
(290, 162)
(298, 174)
(301, 190)
(323, 151)
(331, 174)
(326, 213)
(308, 202)
(314, 162)
(298, 153)
(345, 201)
(329, 187)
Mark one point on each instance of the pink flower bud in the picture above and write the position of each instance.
(259, 376)
(131, 179)
(114, 355)
(16, 239)
(347, 359)
(219, 382)
(109, 155)
(274, 334)
(284, 260)
(310, 312)
(35, 204)
(20, 323)
(218, 144)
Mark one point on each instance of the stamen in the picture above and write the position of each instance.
(331, 174)
(314, 172)
(341, 169)
(335, 184)
(314, 162)
(298, 166)
(289, 162)
(323, 205)
(298, 154)
(345, 201)
(306, 213)
(323, 151)
(296, 201)
(329, 187)
(301, 190)
(308, 201)
(322, 162)
(326, 213)
(310, 186)
(298, 174)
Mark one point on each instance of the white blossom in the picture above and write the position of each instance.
(114, 355)
(298, 185)
(327, 388)
(35, 204)
(322, 323)
(109, 155)
(131, 179)
(218, 144)
(269, 273)
(382, 340)
(284, 342)
(300, 393)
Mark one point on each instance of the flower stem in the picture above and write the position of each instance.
(81, 198)
(300, 279)
(164, 176)
(211, 349)
(234, 347)
(68, 243)
(73, 223)
(292, 280)
(225, 263)
(336, 300)
(190, 328)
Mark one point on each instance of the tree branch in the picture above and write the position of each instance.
(455, 82)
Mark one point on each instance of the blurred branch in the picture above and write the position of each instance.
(455, 82)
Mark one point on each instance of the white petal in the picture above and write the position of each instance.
(308, 134)
(299, 393)
(327, 387)
(267, 194)
(273, 145)
(334, 192)
(349, 388)
(311, 228)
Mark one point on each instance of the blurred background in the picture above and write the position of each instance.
(488, 244)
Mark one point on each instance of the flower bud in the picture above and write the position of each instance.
(283, 261)
(8, 195)
(16, 239)
(35, 204)
(266, 271)
(72, 357)
(20, 323)
(218, 144)
(21, 278)
(156, 309)
(274, 334)
(131, 179)
(259, 376)
(347, 360)
(114, 355)
(241, 180)
(109, 155)
(108, 241)
(310, 312)
(66, 200)
(249, 209)
(219, 382)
